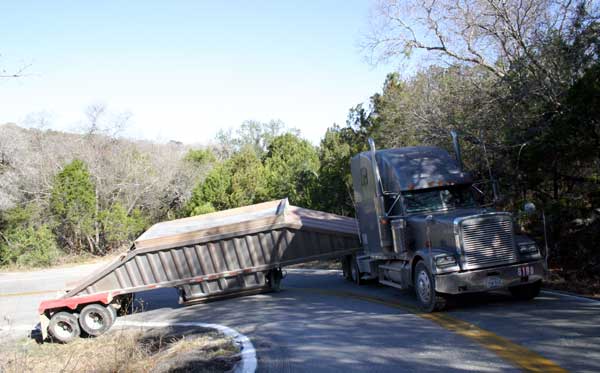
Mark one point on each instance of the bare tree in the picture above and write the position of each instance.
(154, 178)
(258, 135)
(99, 120)
(489, 33)
(14, 73)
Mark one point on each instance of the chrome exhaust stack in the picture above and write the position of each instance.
(456, 144)
(379, 188)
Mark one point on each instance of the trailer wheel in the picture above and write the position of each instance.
(95, 319)
(346, 263)
(63, 327)
(424, 283)
(355, 272)
(274, 278)
(526, 292)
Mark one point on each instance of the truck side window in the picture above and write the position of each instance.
(364, 179)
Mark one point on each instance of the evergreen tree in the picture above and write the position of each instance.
(73, 205)
(292, 164)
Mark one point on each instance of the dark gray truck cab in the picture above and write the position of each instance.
(421, 226)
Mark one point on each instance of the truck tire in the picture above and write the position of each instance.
(527, 291)
(95, 319)
(424, 283)
(346, 270)
(355, 272)
(63, 327)
(274, 279)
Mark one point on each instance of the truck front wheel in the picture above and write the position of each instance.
(526, 292)
(429, 299)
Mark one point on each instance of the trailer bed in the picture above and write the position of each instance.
(219, 254)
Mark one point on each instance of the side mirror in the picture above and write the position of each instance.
(529, 208)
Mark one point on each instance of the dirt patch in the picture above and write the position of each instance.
(127, 350)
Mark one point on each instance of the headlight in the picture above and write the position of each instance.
(445, 260)
(528, 248)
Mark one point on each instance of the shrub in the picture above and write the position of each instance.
(29, 247)
(203, 208)
(118, 227)
(200, 157)
(73, 204)
(238, 181)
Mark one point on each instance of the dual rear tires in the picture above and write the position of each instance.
(351, 270)
(274, 277)
(93, 320)
(64, 327)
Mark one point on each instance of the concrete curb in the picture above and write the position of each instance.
(248, 362)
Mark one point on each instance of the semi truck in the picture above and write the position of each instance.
(418, 225)
(229, 253)
(422, 225)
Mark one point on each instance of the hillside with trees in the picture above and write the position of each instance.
(63, 193)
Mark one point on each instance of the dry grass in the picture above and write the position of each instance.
(65, 261)
(159, 350)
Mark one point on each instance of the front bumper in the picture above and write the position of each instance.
(490, 278)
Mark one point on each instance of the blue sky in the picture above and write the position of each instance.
(184, 69)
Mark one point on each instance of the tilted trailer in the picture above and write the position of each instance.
(228, 253)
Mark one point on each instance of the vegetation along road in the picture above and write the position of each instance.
(321, 322)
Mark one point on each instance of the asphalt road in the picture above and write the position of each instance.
(22, 292)
(319, 322)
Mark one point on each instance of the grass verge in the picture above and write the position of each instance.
(64, 261)
(127, 350)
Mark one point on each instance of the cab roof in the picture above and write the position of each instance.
(418, 167)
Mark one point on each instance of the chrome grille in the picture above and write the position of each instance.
(488, 241)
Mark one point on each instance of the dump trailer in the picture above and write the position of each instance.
(423, 226)
(228, 253)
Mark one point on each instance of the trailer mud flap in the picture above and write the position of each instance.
(44, 323)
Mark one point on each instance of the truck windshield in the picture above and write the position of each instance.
(439, 199)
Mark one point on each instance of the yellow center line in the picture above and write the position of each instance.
(26, 293)
(514, 353)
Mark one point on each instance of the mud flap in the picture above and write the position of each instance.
(44, 323)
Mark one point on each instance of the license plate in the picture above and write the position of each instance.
(525, 271)
(493, 282)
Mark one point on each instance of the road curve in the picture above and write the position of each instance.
(319, 322)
